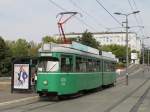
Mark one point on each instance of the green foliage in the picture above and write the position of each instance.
(118, 50)
(88, 39)
(48, 39)
(19, 48)
(134, 51)
(33, 50)
(5, 58)
(120, 65)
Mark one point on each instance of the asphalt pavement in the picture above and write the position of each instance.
(121, 98)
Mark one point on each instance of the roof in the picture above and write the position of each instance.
(70, 50)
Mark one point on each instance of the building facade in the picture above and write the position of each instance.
(118, 38)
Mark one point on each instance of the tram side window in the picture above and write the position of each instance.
(98, 66)
(89, 65)
(110, 67)
(66, 64)
(94, 67)
(107, 67)
(80, 65)
(113, 67)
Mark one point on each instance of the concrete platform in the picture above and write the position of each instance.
(7, 96)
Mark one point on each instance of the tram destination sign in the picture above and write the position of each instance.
(45, 54)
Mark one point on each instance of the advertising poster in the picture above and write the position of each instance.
(21, 76)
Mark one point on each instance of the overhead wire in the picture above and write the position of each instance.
(98, 1)
(135, 16)
(141, 29)
(93, 18)
(80, 20)
(132, 9)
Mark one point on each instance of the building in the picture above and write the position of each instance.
(108, 38)
(118, 38)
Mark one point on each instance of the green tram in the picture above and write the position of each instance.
(69, 69)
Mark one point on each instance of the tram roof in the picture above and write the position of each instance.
(66, 48)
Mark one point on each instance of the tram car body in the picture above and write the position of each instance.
(69, 69)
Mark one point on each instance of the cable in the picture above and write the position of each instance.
(139, 16)
(141, 29)
(108, 12)
(132, 9)
(91, 17)
(130, 5)
(58, 6)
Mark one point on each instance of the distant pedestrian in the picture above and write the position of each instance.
(35, 80)
(143, 71)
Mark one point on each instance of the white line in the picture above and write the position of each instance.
(19, 100)
(5, 82)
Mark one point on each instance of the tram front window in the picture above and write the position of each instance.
(48, 64)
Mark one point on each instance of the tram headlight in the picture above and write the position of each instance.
(45, 82)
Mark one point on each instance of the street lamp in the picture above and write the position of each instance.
(127, 27)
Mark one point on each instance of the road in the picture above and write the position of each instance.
(132, 98)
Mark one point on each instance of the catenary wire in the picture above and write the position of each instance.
(88, 14)
(80, 20)
(141, 21)
(98, 1)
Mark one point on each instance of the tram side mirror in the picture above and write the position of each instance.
(67, 61)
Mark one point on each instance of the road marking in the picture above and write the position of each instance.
(5, 82)
(19, 100)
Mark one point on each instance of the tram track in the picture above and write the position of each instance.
(16, 106)
(32, 106)
(38, 107)
(140, 101)
(127, 96)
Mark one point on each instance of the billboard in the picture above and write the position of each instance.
(21, 76)
(134, 56)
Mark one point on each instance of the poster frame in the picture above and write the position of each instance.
(12, 79)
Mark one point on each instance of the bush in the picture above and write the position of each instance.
(120, 65)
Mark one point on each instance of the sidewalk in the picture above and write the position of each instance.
(6, 95)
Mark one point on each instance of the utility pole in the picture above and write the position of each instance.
(143, 54)
(148, 57)
(127, 52)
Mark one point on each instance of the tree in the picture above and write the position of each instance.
(88, 39)
(2, 48)
(5, 58)
(48, 39)
(19, 48)
(33, 50)
(118, 50)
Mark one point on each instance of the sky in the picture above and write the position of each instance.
(34, 19)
